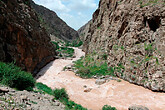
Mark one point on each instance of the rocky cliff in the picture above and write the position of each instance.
(132, 34)
(22, 39)
(83, 31)
(53, 24)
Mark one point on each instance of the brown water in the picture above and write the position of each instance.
(118, 94)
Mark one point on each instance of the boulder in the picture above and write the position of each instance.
(100, 81)
(137, 107)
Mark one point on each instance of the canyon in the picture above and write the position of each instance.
(128, 35)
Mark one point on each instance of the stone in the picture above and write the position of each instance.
(85, 86)
(137, 107)
(24, 98)
(87, 89)
(57, 103)
(4, 90)
(100, 81)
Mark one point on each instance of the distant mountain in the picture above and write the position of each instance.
(53, 24)
(83, 31)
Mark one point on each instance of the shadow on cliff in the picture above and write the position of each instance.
(43, 70)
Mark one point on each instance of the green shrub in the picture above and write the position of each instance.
(74, 43)
(107, 107)
(56, 44)
(88, 67)
(44, 88)
(84, 72)
(71, 105)
(60, 94)
(12, 76)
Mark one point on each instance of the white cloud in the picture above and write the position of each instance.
(74, 12)
(55, 5)
(82, 5)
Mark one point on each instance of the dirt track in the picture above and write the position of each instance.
(118, 94)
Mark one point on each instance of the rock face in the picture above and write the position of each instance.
(132, 34)
(53, 24)
(22, 39)
(83, 31)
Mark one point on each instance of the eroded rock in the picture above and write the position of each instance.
(22, 39)
(132, 35)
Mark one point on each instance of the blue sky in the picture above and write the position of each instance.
(75, 13)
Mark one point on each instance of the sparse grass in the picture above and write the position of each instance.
(150, 2)
(44, 88)
(71, 105)
(88, 68)
(107, 107)
(61, 94)
(63, 51)
(75, 43)
(67, 52)
(12, 76)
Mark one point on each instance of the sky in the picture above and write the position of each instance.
(75, 13)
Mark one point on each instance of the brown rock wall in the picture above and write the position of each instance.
(132, 33)
(22, 39)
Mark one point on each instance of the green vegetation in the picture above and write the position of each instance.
(71, 105)
(107, 107)
(60, 94)
(64, 51)
(56, 45)
(12, 76)
(69, 52)
(75, 43)
(88, 67)
(142, 4)
(42, 88)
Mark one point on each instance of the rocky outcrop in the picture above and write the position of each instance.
(53, 24)
(22, 39)
(12, 99)
(131, 33)
(83, 31)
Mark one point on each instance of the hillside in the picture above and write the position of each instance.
(53, 24)
(131, 35)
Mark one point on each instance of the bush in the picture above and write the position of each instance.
(44, 88)
(56, 44)
(84, 72)
(88, 67)
(60, 94)
(12, 76)
(107, 107)
(74, 43)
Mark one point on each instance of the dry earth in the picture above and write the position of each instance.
(118, 94)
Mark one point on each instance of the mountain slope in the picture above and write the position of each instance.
(83, 31)
(131, 33)
(22, 39)
(53, 24)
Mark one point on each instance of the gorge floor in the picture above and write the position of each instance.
(118, 94)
